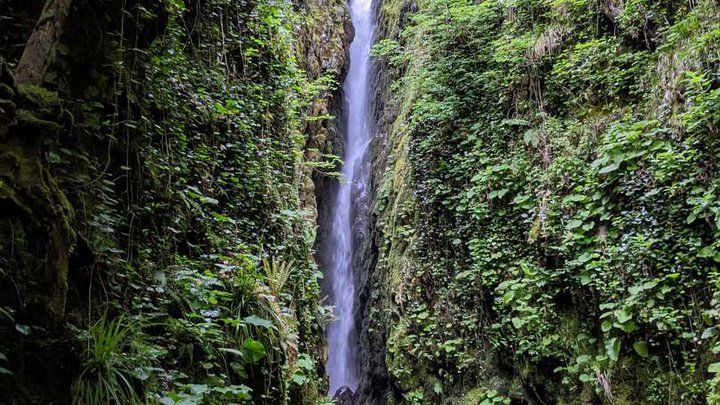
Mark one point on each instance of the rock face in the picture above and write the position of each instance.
(323, 40)
(344, 396)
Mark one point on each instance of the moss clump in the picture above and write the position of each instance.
(27, 119)
(40, 97)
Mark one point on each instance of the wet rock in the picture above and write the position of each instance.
(344, 396)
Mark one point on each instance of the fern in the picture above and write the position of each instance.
(277, 273)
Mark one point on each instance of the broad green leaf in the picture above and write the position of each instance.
(574, 198)
(253, 351)
(582, 359)
(257, 321)
(299, 379)
(626, 327)
(574, 223)
(508, 296)
(585, 257)
(609, 168)
(641, 348)
(707, 251)
(531, 137)
(612, 348)
(708, 333)
(606, 326)
(622, 315)
(305, 362)
(197, 388)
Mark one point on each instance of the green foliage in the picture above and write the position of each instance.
(182, 148)
(277, 274)
(555, 163)
(106, 377)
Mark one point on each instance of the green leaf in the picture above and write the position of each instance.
(641, 348)
(612, 348)
(707, 251)
(714, 368)
(606, 326)
(508, 296)
(24, 329)
(574, 198)
(197, 388)
(5, 371)
(585, 278)
(585, 257)
(573, 224)
(463, 275)
(650, 284)
(299, 379)
(238, 368)
(586, 378)
(531, 137)
(177, 4)
(708, 333)
(622, 315)
(253, 351)
(231, 351)
(626, 327)
(305, 362)
(609, 168)
(257, 321)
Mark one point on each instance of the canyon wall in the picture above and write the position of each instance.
(544, 176)
(158, 190)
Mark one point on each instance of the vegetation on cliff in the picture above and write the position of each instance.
(548, 213)
(156, 231)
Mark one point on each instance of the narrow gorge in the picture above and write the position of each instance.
(363, 202)
(350, 207)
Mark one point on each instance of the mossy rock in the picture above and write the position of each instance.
(39, 97)
(28, 120)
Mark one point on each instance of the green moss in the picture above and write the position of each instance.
(29, 120)
(39, 96)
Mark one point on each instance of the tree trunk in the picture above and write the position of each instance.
(37, 188)
(39, 51)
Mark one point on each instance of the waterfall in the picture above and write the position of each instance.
(350, 204)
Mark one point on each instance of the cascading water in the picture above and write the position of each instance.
(350, 206)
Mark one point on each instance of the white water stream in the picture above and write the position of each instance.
(343, 366)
